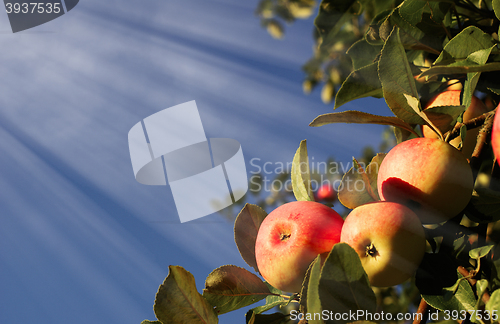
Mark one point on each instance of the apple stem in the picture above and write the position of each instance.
(284, 237)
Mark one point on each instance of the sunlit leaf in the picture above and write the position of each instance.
(246, 227)
(480, 252)
(493, 305)
(353, 191)
(397, 79)
(301, 178)
(178, 301)
(344, 285)
(468, 41)
(313, 301)
(359, 117)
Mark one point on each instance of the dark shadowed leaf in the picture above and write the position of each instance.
(275, 318)
(463, 299)
(246, 227)
(151, 322)
(301, 178)
(397, 79)
(412, 10)
(359, 117)
(344, 285)
(331, 15)
(363, 53)
(484, 206)
(178, 301)
(230, 287)
(353, 190)
(361, 83)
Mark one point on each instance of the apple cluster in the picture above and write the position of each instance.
(420, 181)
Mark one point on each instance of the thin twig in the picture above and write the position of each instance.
(464, 272)
(422, 312)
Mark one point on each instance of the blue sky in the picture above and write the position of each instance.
(80, 240)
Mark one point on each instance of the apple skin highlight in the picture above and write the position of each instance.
(291, 237)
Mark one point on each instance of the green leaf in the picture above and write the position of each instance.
(301, 178)
(481, 287)
(150, 322)
(313, 301)
(275, 318)
(276, 299)
(496, 8)
(463, 299)
(397, 79)
(466, 67)
(344, 285)
(412, 10)
(484, 206)
(353, 191)
(177, 300)
(468, 41)
(363, 53)
(246, 227)
(230, 287)
(331, 16)
(480, 252)
(444, 117)
(358, 117)
(360, 83)
(479, 57)
(412, 37)
(493, 305)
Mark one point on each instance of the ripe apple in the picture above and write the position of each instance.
(495, 136)
(476, 109)
(428, 175)
(389, 240)
(291, 237)
(326, 193)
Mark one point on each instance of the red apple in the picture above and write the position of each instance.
(495, 136)
(326, 193)
(291, 237)
(389, 240)
(476, 109)
(428, 175)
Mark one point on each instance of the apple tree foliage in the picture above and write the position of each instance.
(405, 52)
